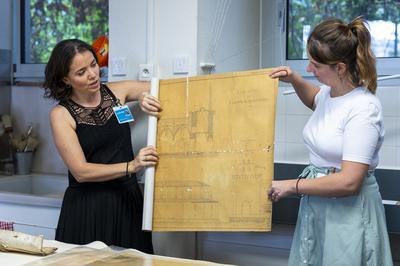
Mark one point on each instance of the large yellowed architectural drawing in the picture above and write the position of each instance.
(215, 138)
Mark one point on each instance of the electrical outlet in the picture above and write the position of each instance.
(118, 66)
(146, 72)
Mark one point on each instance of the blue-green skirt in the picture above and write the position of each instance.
(341, 231)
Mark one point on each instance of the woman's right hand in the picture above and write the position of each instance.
(284, 73)
(149, 104)
(147, 156)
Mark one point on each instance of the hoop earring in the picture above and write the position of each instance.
(68, 86)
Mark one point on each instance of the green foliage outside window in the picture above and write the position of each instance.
(54, 20)
(312, 12)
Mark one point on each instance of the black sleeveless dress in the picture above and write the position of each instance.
(109, 211)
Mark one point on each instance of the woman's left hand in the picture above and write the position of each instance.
(150, 104)
(281, 189)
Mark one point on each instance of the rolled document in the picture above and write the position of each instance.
(147, 223)
(20, 242)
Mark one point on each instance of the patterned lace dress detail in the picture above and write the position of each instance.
(98, 115)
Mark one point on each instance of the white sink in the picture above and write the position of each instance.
(32, 202)
(35, 184)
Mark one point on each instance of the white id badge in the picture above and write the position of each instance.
(123, 114)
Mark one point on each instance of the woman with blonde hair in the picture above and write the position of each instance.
(341, 219)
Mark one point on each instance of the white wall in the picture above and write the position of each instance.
(273, 44)
(229, 34)
(175, 34)
(128, 33)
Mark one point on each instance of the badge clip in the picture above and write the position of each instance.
(123, 114)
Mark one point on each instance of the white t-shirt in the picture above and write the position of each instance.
(347, 127)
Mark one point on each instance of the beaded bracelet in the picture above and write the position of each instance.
(297, 188)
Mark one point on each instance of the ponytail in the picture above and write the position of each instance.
(333, 41)
(365, 66)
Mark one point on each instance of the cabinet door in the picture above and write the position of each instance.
(31, 219)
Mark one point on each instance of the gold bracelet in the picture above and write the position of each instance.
(130, 168)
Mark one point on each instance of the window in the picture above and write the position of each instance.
(383, 17)
(41, 24)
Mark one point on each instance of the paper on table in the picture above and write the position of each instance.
(83, 255)
(17, 259)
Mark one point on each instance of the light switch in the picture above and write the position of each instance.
(181, 64)
(118, 66)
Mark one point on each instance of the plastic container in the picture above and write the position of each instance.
(100, 46)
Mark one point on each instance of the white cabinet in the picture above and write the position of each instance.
(240, 248)
(32, 202)
(31, 219)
